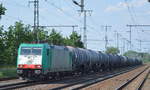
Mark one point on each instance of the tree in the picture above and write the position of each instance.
(17, 34)
(74, 40)
(55, 38)
(131, 54)
(42, 35)
(112, 50)
(2, 47)
(142, 56)
(2, 10)
(146, 57)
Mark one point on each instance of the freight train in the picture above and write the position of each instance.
(36, 61)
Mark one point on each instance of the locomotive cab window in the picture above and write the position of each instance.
(25, 51)
(36, 51)
(31, 51)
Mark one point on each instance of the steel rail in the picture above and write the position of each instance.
(129, 81)
(9, 78)
(17, 85)
(85, 83)
(142, 83)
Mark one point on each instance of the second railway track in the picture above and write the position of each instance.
(144, 80)
(85, 83)
(129, 83)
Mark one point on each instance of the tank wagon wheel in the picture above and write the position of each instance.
(103, 67)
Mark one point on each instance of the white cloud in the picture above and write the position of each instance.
(139, 3)
(118, 7)
(148, 12)
(122, 5)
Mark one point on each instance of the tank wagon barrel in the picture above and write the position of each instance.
(43, 60)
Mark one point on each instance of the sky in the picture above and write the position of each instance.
(115, 13)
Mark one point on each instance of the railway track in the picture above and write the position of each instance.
(10, 78)
(17, 85)
(84, 83)
(142, 83)
(124, 85)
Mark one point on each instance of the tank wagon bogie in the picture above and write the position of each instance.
(48, 61)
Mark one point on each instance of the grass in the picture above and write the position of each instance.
(7, 71)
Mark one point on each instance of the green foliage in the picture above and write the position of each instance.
(41, 35)
(2, 46)
(19, 33)
(15, 35)
(2, 10)
(8, 72)
(143, 56)
(74, 40)
(131, 54)
(112, 50)
(55, 38)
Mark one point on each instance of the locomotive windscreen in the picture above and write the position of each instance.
(31, 51)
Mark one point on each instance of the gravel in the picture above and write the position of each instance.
(10, 81)
(135, 83)
(146, 85)
(115, 82)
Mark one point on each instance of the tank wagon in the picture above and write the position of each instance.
(48, 61)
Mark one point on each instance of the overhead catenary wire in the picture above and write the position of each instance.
(135, 15)
(69, 15)
(13, 3)
(43, 18)
(90, 18)
(132, 14)
(64, 12)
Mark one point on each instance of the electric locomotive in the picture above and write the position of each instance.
(41, 60)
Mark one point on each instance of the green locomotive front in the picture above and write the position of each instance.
(41, 60)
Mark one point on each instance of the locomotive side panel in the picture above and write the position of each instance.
(61, 60)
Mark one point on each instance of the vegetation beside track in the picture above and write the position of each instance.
(6, 72)
(143, 56)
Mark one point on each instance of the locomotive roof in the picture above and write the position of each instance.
(32, 45)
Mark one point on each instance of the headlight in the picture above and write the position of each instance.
(20, 66)
(37, 71)
(39, 66)
(19, 71)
